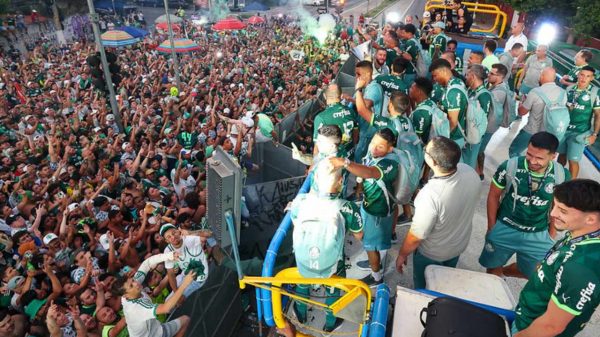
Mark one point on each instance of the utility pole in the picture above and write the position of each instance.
(173, 54)
(107, 79)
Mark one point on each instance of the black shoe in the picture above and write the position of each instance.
(338, 322)
(370, 281)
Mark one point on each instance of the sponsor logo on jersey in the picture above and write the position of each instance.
(585, 295)
(558, 279)
(552, 258)
(534, 200)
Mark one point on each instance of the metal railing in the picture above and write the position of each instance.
(477, 8)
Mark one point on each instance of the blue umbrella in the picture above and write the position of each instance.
(134, 31)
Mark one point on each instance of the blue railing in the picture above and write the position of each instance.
(263, 296)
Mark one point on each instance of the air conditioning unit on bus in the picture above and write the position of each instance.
(224, 194)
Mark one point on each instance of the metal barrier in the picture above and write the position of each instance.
(264, 298)
(477, 8)
(378, 324)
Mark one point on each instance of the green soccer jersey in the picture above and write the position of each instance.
(581, 107)
(526, 210)
(411, 47)
(437, 94)
(375, 201)
(421, 119)
(456, 99)
(391, 83)
(390, 57)
(187, 140)
(344, 118)
(571, 76)
(397, 124)
(440, 40)
(568, 276)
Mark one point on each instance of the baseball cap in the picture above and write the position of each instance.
(110, 117)
(73, 207)
(34, 307)
(124, 146)
(440, 25)
(164, 228)
(49, 238)
(248, 121)
(15, 282)
(426, 14)
(104, 241)
(168, 131)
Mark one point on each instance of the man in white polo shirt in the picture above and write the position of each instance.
(444, 208)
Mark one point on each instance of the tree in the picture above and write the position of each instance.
(582, 15)
(4, 6)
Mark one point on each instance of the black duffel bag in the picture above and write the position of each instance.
(448, 316)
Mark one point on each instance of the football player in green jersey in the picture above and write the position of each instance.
(339, 115)
(518, 203)
(454, 102)
(561, 296)
(380, 168)
(583, 102)
(582, 59)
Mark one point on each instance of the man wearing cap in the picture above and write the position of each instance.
(139, 311)
(56, 250)
(439, 40)
(192, 257)
(317, 256)
(181, 176)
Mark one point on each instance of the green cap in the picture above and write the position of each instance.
(165, 228)
(34, 307)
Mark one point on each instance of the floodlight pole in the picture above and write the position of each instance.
(107, 76)
(173, 53)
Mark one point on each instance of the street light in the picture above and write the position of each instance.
(392, 17)
(546, 33)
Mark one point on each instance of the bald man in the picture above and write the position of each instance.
(517, 36)
(533, 105)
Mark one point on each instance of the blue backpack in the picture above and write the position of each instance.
(440, 125)
(407, 181)
(476, 118)
(318, 237)
(507, 110)
(409, 140)
(423, 61)
(556, 114)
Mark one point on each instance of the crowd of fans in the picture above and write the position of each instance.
(85, 202)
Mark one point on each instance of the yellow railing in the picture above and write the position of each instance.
(352, 288)
(477, 8)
